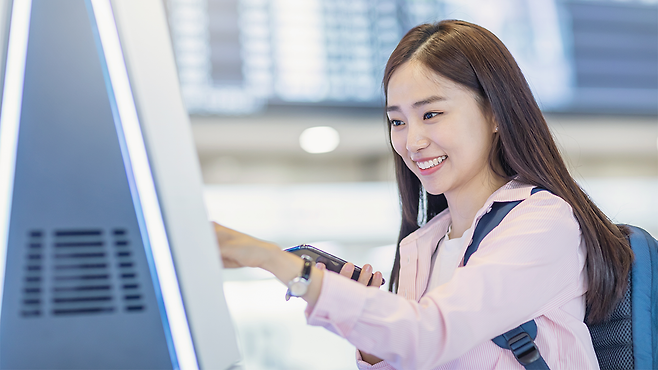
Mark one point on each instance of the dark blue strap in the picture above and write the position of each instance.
(644, 296)
(489, 221)
(519, 340)
(530, 327)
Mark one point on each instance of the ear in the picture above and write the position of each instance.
(493, 123)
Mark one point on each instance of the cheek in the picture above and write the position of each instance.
(399, 141)
(477, 148)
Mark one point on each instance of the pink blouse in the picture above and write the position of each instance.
(532, 266)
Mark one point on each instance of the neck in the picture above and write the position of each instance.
(465, 202)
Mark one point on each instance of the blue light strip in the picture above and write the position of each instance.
(10, 117)
(155, 238)
(133, 189)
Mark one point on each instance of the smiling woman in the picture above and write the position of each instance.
(468, 136)
(520, 147)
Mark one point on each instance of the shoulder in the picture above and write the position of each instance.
(535, 203)
(543, 223)
(546, 206)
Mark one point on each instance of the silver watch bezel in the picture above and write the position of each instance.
(298, 286)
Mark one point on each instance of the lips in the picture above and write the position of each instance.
(427, 164)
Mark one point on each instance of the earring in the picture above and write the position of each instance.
(496, 129)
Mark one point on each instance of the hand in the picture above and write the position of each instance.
(364, 277)
(241, 250)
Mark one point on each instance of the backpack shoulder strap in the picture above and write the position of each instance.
(519, 340)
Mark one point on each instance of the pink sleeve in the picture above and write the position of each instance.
(529, 265)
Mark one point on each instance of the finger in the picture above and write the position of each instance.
(222, 233)
(320, 266)
(218, 227)
(347, 270)
(377, 279)
(366, 274)
(229, 263)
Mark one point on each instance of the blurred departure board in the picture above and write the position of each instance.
(239, 56)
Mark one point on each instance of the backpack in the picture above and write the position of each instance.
(629, 339)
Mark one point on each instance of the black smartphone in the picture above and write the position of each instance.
(332, 262)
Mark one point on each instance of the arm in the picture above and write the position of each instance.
(240, 250)
(347, 271)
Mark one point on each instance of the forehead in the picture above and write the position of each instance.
(412, 82)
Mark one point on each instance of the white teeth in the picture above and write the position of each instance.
(431, 163)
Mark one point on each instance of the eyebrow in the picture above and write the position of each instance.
(417, 104)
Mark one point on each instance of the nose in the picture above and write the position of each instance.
(416, 138)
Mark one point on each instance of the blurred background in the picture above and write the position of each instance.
(286, 103)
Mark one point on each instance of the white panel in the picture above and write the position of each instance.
(166, 128)
(10, 115)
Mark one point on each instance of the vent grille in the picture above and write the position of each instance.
(80, 271)
(133, 300)
(82, 281)
(32, 296)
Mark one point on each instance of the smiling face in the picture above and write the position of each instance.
(440, 131)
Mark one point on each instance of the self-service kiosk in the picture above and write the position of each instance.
(107, 258)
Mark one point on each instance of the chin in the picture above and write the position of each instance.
(433, 190)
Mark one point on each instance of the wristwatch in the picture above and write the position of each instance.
(298, 286)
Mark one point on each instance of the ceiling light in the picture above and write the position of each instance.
(321, 139)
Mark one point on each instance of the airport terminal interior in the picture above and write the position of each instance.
(287, 120)
(256, 74)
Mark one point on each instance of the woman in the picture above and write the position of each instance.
(467, 132)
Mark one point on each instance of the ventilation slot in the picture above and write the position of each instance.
(33, 278)
(133, 300)
(81, 271)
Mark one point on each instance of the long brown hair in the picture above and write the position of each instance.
(523, 149)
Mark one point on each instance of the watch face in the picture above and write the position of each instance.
(298, 287)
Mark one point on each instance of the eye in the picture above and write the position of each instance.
(396, 122)
(430, 115)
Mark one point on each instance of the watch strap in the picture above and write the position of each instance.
(306, 269)
(304, 277)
